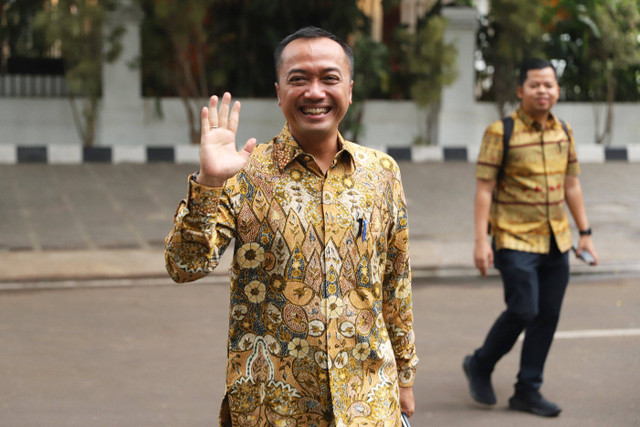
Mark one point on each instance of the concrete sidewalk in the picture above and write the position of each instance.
(103, 221)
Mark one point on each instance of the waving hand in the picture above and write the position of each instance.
(219, 159)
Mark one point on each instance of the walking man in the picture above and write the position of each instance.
(321, 324)
(523, 182)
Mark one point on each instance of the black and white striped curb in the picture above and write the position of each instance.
(70, 154)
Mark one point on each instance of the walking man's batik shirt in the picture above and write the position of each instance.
(528, 204)
(321, 323)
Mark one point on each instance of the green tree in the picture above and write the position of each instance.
(600, 44)
(79, 29)
(247, 36)
(371, 78)
(430, 65)
(17, 33)
(177, 52)
(197, 48)
(511, 32)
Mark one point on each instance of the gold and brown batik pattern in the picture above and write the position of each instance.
(321, 324)
(529, 203)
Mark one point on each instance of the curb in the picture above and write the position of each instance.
(122, 268)
(74, 154)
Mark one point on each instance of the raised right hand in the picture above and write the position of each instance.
(219, 159)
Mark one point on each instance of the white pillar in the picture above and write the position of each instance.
(458, 100)
(122, 107)
(373, 9)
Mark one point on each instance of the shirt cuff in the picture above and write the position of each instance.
(573, 169)
(203, 201)
(486, 172)
(406, 376)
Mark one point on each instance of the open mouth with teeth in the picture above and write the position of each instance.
(315, 111)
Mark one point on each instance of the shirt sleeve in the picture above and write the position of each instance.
(202, 229)
(397, 297)
(490, 156)
(573, 167)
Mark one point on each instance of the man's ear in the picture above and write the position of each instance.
(351, 92)
(519, 92)
(277, 91)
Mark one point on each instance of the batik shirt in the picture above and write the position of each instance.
(320, 326)
(528, 204)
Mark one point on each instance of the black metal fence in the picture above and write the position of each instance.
(33, 77)
(33, 86)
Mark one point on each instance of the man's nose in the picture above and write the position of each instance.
(315, 90)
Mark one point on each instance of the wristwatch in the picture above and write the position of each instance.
(586, 232)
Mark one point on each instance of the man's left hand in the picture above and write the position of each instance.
(407, 401)
(586, 243)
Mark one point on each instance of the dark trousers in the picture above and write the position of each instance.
(534, 286)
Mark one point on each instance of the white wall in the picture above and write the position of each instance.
(128, 119)
(36, 121)
(30, 122)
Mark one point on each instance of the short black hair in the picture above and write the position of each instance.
(534, 64)
(312, 33)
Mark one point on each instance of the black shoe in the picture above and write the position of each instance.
(534, 403)
(479, 383)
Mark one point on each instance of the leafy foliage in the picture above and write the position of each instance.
(595, 44)
(509, 34)
(77, 28)
(371, 78)
(202, 47)
(17, 32)
(235, 39)
(429, 65)
(176, 53)
(599, 43)
(590, 37)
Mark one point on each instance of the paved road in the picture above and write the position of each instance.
(99, 220)
(146, 354)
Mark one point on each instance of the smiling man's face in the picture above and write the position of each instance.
(539, 92)
(314, 88)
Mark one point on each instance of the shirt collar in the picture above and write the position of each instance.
(530, 123)
(287, 149)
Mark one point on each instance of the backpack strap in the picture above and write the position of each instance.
(507, 123)
(566, 129)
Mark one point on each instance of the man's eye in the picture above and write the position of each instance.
(296, 80)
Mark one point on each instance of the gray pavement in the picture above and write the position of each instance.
(92, 221)
(108, 341)
(154, 355)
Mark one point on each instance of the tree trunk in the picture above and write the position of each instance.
(85, 121)
(433, 113)
(596, 123)
(608, 125)
(188, 88)
(192, 118)
(605, 135)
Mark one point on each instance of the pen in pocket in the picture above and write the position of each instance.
(363, 228)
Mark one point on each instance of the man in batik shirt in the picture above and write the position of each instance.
(321, 324)
(523, 198)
